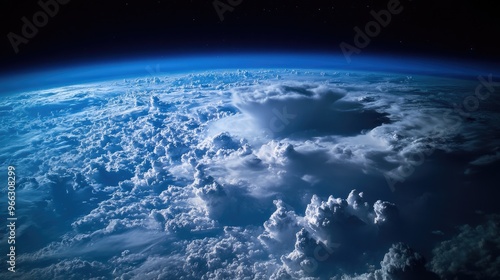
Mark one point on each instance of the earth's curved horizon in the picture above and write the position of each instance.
(254, 167)
(78, 71)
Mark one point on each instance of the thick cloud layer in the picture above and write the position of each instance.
(472, 254)
(399, 263)
(275, 174)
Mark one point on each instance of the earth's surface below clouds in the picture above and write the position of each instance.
(259, 174)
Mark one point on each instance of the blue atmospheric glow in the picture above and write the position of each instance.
(63, 75)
